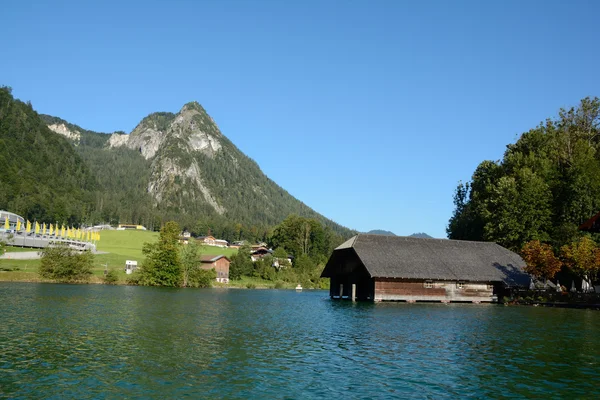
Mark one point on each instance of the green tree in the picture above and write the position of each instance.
(201, 278)
(547, 183)
(241, 264)
(63, 264)
(162, 266)
(582, 257)
(190, 260)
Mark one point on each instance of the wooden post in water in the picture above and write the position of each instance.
(354, 292)
(341, 290)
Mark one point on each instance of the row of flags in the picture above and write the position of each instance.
(68, 232)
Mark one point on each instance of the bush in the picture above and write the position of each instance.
(201, 278)
(250, 286)
(63, 264)
(111, 277)
(133, 279)
(279, 285)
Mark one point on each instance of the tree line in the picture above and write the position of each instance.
(306, 241)
(533, 200)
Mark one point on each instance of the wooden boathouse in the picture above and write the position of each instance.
(395, 268)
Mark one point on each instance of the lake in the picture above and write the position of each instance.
(96, 341)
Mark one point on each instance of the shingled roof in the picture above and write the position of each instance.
(441, 259)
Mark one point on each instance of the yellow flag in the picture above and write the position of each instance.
(6, 223)
(51, 230)
(28, 227)
(37, 227)
(18, 225)
(62, 231)
(88, 235)
(44, 228)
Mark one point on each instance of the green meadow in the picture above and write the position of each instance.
(119, 246)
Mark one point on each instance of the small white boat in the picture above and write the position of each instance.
(299, 288)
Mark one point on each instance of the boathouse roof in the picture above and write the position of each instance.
(419, 258)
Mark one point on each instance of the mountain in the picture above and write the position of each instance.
(381, 232)
(388, 233)
(180, 166)
(421, 235)
(42, 176)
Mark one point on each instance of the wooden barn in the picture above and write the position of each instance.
(394, 268)
(220, 264)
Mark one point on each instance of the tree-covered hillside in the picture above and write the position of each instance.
(545, 186)
(42, 176)
(88, 179)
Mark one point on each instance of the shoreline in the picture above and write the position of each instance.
(98, 281)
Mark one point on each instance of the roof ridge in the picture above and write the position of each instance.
(427, 239)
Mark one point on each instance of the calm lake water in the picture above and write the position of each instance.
(93, 341)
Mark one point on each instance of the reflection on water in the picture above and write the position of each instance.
(74, 341)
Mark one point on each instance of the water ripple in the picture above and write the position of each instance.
(64, 341)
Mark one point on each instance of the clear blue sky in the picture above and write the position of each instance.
(368, 111)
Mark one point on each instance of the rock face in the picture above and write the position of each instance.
(62, 129)
(173, 142)
(118, 140)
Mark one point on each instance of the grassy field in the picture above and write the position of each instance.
(13, 249)
(119, 246)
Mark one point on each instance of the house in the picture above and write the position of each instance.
(238, 244)
(256, 253)
(591, 225)
(381, 268)
(184, 237)
(211, 241)
(281, 263)
(220, 263)
(123, 227)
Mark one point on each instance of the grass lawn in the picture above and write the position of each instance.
(120, 246)
(13, 249)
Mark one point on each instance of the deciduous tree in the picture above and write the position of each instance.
(162, 266)
(540, 259)
(582, 257)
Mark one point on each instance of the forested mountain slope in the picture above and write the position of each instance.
(171, 167)
(42, 176)
(547, 184)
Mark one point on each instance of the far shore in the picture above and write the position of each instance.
(17, 276)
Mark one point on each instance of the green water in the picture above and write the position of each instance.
(93, 341)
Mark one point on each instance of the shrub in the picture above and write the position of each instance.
(201, 278)
(133, 279)
(63, 264)
(279, 285)
(250, 286)
(111, 277)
